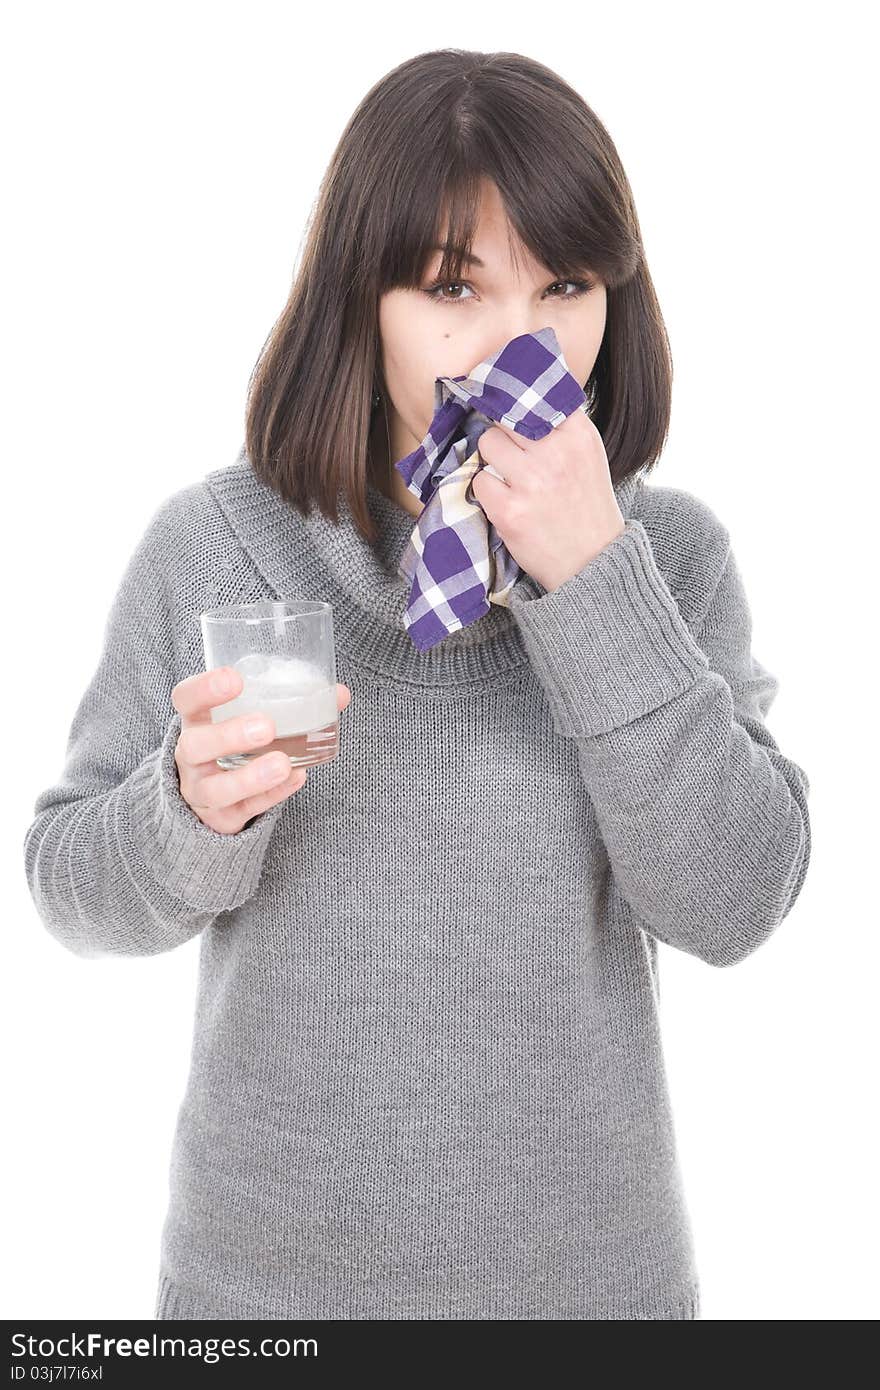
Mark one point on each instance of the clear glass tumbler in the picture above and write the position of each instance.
(286, 655)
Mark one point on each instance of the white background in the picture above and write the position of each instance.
(161, 163)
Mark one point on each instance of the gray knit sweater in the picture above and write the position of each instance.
(427, 1078)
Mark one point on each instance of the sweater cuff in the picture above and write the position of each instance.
(210, 871)
(610, 644)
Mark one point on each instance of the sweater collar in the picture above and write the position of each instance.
(314, 558)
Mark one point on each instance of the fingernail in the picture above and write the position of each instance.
(275, 770)
(257, 728)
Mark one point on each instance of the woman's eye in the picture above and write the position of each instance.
(441, 299)
(581, 287)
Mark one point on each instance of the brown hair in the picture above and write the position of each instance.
(416, 150)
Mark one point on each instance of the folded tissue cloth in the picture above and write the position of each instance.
(455, 559)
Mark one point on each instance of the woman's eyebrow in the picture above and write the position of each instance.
(468, 260)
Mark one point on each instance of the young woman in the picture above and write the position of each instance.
(427, 1076)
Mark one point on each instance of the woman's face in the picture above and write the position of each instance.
(447, 332)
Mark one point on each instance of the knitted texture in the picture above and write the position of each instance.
(427, 1077)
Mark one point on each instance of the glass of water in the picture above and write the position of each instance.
(286, 656)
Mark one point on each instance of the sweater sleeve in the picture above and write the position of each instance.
(116, 860)
(704, 819)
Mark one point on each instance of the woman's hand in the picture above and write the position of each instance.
(556, 508)
(225, 800)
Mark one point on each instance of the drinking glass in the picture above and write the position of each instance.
(286, 656)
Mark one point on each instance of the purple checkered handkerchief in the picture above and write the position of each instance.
(455, 559)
